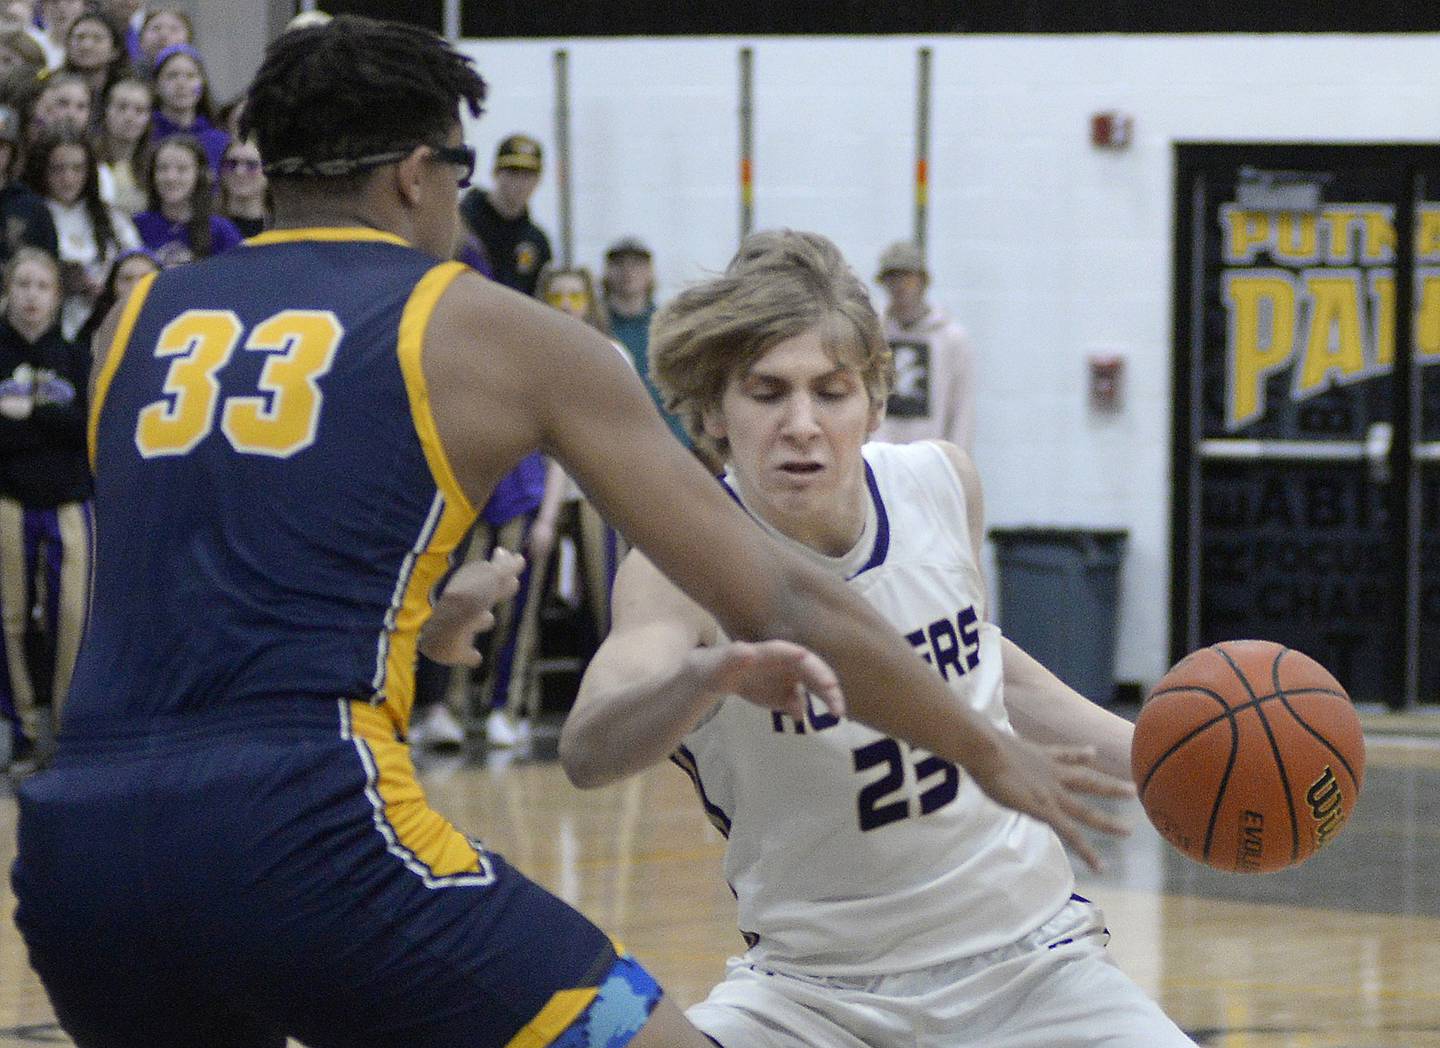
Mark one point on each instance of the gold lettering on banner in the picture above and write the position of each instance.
(1247, 233)
(1297, 238)
(1334, 347)
(1314, 292)
(1427, 233)
(1261, 305)
(1427, 322)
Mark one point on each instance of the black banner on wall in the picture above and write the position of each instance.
(1307, 450)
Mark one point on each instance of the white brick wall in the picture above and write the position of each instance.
(1046, 248)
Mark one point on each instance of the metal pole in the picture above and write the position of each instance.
(747, 141)
(922, 147)
(452, 19)
(562, 155)
(1405, 419)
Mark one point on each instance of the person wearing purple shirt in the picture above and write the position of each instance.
(180, 225)
(183, 104)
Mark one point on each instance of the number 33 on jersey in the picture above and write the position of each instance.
(279, 421)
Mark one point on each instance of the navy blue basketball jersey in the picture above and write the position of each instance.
(273, 507)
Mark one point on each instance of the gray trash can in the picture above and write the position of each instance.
(1060, 598)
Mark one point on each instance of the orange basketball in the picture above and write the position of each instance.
(1248, 756)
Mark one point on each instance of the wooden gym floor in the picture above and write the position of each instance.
(1341, 953)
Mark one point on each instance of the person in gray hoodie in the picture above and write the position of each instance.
(934, 394)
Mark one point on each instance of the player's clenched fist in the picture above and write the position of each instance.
(775, 674)
(466, 607)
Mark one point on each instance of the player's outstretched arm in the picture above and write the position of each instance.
(1042, 707)
(662, 668)
(1075, 732)
(505, 374)
(1045, 709)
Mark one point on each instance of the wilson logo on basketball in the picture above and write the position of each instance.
(1326, 801)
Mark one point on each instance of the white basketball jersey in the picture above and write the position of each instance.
(850, 852)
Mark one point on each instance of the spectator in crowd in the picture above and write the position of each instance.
(45, 520)
(21, 59)
(56, 18)
(629, 287)
(163, 27)
(934, 393)
(62, 168)
(517, 248)
(123, 143)
(130, 14)
(244, 193)
(95, 52)
(504, 244)
(129, 267)
(63, 101)
(179, 225)
(572, 291)
(519, 515)
(528, 508)
(24, 218)
(182, 103)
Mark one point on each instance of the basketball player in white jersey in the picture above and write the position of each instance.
(886, 901)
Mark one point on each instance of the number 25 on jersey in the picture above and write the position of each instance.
(300, 345)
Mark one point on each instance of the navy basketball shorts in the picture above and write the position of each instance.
(240, 877)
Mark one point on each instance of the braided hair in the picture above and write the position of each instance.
(329, 97)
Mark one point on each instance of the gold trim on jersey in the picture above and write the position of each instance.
(559, 1013)
(416, 834)
(413, 323)
(329, 234)
(431, 560)
(113, 356)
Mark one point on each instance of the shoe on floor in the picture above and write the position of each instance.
(437, 729)
(504, 732)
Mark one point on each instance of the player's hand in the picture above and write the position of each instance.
(540, 540)
(774, 674)
(466, 607)
(1055, 784)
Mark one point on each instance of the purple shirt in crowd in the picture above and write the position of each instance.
(519, 491)
(170, 241)
(212, 139)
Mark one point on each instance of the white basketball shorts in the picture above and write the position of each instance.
(1054, 988)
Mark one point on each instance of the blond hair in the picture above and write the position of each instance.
(595, 314)
(780, 284)
(29, 253)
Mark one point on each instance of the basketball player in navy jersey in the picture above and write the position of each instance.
(288, 442)
(886, 901)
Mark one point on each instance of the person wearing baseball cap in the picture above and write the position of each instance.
(499, 217)
(500, 241)
(629, 295)
(24, 218)
(934, 393)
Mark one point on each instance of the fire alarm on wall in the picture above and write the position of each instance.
(1107, 375)
(1111, 129)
